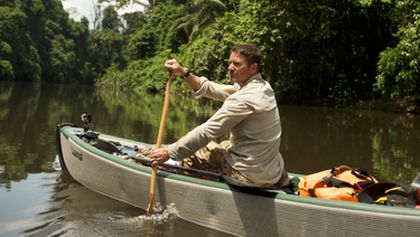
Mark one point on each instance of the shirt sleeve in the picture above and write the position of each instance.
(229, 115)
(215, 91)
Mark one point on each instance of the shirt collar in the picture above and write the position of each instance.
(255, 77)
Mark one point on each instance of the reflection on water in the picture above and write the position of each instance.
(315, 139)
(30, 112)
(20, 206)
(36, 200)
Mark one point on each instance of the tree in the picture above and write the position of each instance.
(143, 43)
(122, 3)
(398, 76)
(19, 56)
(134, 21)
(154, 35)
(322, 52)
(201, 13)
(111, 19)
(105, 48)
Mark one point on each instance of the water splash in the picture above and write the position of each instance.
(56, 164)
(161, 215)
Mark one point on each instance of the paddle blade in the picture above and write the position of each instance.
(152, 190)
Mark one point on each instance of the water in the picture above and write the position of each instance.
(36, 199)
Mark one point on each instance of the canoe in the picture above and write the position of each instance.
(108, 165)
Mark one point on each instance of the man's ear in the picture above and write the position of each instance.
(254, 67)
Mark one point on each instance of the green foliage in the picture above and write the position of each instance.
(199, 15)
(134, 21)
(39, 41)
(399, 68)
(315, 52)
(318, 52)
(143, 43)
(140, 75)
(6, 67)
(122, 3)
(152, 37)
(17, 48)
(6, 70)
(323, 52)
(111, 19)
(105, 48)
(62, 58)
(208, 54)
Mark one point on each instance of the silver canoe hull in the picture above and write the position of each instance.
(215, 205)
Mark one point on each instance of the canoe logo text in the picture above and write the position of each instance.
(77, 153)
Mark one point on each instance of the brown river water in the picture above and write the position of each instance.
(36, 199)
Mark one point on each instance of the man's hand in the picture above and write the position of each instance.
(174, 67)
(158, 156)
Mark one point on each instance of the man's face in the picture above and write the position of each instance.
(239, 70)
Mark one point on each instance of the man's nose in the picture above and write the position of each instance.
(231, 67)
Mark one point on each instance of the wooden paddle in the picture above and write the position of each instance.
(159, 142)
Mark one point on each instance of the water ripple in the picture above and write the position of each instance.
(159, 217)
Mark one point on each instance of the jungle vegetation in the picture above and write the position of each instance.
(327, 52)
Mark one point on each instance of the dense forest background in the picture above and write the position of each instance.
(327, 52)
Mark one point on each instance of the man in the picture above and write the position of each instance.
(249, 113)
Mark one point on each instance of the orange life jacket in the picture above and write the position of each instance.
(339, 183)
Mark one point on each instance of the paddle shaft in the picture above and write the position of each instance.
(159, 143)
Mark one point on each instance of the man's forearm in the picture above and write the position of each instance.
(193, 81)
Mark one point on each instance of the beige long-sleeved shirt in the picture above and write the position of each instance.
(251, 116)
